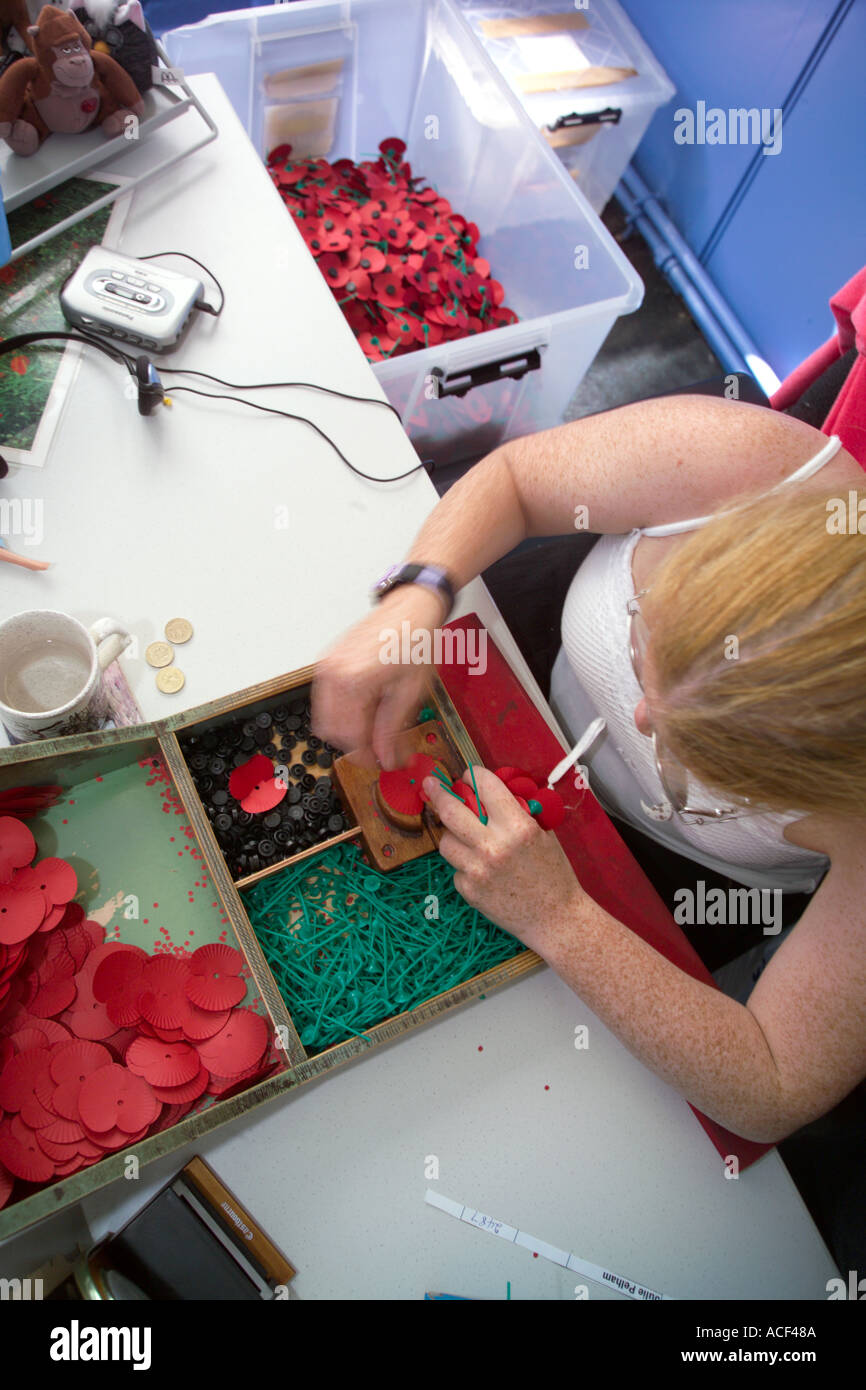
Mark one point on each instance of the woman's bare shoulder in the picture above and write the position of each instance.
(842, 839)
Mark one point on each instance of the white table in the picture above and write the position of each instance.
(149, 519)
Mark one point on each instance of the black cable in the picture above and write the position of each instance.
(184, 256)
(287, 415)
(95, 340)
(25, 339)
(119, 356)
(116, 353)
(263, 385)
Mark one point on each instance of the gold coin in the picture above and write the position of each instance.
(178, 630)
(170, 680)
(159, 654)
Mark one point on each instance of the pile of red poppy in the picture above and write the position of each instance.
(101, 1044)
(402, 264)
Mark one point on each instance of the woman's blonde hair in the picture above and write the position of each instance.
(757, 650)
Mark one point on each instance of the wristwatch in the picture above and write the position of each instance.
(428, 576)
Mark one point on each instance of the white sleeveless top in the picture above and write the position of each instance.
(593, 676)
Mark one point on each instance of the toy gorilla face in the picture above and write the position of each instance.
(73, 65)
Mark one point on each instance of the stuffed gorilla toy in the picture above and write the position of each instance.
(63, 88)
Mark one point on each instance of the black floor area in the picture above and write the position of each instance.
(650, 352)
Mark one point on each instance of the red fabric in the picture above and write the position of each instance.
(847, 418)
(505, 726)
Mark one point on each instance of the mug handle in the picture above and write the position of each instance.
(109, 650)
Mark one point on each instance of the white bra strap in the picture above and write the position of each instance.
(586, 740)
(806, 470)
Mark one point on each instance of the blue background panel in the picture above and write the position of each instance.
(728, 53)
(800, 232)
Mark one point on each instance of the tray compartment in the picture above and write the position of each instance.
(310, 813)
(143, 876)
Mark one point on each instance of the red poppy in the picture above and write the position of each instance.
(392, 148)
(382, 181)
(291, 175)
(117, 985)
(161, 991)
(435, 287)
(163, 1064)
(398, 326)
(375, 345)
(237, 1047)
(388, 288)
(522, 786)
(357, 316)
(113, 1097)
(17, 846)
(214, 981)
(419, 328)
(256, 786)
(466, 794)
(334, 271)
(56, 879)
(373, 213)
(21, 913)
(552, 808)
(458, 281)
(372, 259)
(337, 232)
(358, 283)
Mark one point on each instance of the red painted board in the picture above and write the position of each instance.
(506, 728)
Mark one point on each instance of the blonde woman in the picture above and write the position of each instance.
(726, 650)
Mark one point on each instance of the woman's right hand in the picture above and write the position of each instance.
(361, 699)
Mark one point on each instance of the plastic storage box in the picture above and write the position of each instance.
(595, 128)
(368, 69)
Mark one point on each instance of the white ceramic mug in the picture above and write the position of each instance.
(51, 673)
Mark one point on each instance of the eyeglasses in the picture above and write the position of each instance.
(672, 775)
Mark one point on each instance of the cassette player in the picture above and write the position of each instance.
(139, 302)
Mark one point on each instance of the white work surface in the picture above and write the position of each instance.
(148, 519)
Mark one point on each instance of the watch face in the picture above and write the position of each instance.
(384, 584)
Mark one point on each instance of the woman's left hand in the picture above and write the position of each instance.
(509, 869)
